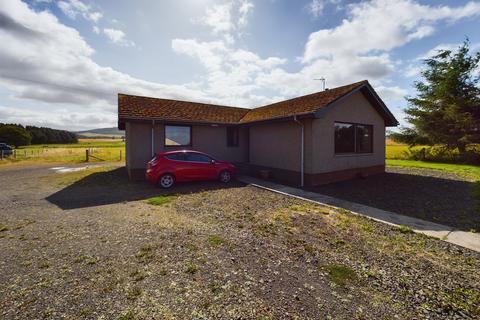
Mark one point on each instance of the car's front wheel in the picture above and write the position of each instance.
(166, 181)
(225, 176)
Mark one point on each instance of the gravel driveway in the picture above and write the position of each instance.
(87, 245)
(432, 195)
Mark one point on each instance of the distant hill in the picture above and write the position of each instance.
(101, 133)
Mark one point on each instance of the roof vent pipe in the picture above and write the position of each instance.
(302, 151)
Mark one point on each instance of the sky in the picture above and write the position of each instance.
(62, 63)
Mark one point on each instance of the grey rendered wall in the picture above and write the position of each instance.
(138, 144)
(205, 138)
(356, 109)
(278, 145)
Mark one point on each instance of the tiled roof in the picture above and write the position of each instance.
(305, 104)
(136, 107)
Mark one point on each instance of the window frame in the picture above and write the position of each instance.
(176, 145)
(355, 152)
(236, 142)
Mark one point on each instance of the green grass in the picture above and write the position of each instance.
(80, 144)
(340, 274)
(3, 227)
(216, 240)
(161, 200)
(68, 153)
(404, 229)
(468, 171)
(399, 151)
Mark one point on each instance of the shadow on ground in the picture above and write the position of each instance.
(113, 186)
(435, 199)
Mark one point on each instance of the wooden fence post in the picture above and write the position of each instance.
(120, 155)
(87, 154)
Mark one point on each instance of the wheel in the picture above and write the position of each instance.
(166, 181)
(225, 176)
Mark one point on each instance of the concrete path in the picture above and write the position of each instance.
(465, 239)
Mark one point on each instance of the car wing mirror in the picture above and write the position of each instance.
(212, 161)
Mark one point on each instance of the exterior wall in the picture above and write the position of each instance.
(277, 145)
(208, 139)
(356, 109)
(138, 148)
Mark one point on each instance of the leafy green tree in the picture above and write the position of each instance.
(446, 109)
(14, 135)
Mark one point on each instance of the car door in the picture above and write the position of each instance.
(179, 166)
(201, 166)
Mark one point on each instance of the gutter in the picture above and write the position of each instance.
(302, 152)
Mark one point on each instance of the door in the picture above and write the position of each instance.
(201, 166)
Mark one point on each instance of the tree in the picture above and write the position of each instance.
(14, 135)
(446, 109)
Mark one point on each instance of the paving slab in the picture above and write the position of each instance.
(464, 239)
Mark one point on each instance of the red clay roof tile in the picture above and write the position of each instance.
(145, 108)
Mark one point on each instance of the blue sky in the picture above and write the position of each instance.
(63, 62)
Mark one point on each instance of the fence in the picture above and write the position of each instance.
(64, 154)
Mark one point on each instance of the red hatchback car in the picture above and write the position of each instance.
(169, 167)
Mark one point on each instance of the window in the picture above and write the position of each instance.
(197, 157)
(364, 138)
(232, 137)
(344, 138)
(178, 135)
(353, 138)
(176, 156)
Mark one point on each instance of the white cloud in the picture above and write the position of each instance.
(50, 63)
(392, 94)
(96, 30)
(72, 8)
(245, 9)
(382, 25)
(117, 37)
(315, 7)
(219, 17)
(230, 73)
(228, 19)
(58, 119)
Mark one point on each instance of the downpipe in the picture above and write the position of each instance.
(302, 152)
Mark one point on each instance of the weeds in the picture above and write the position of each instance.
(216, 240)
(404, 229)
(161, 200)
(191, 268)
(3, 227)
(340, 274)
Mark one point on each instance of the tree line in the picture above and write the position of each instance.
(18, 135)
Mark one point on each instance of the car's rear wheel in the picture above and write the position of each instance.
(166, 181)
(225, 176)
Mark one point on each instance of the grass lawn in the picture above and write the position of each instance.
(468, 171)
(90, 244)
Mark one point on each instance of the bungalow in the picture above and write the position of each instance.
(328, 136)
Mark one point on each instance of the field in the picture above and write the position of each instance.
(100, 150)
